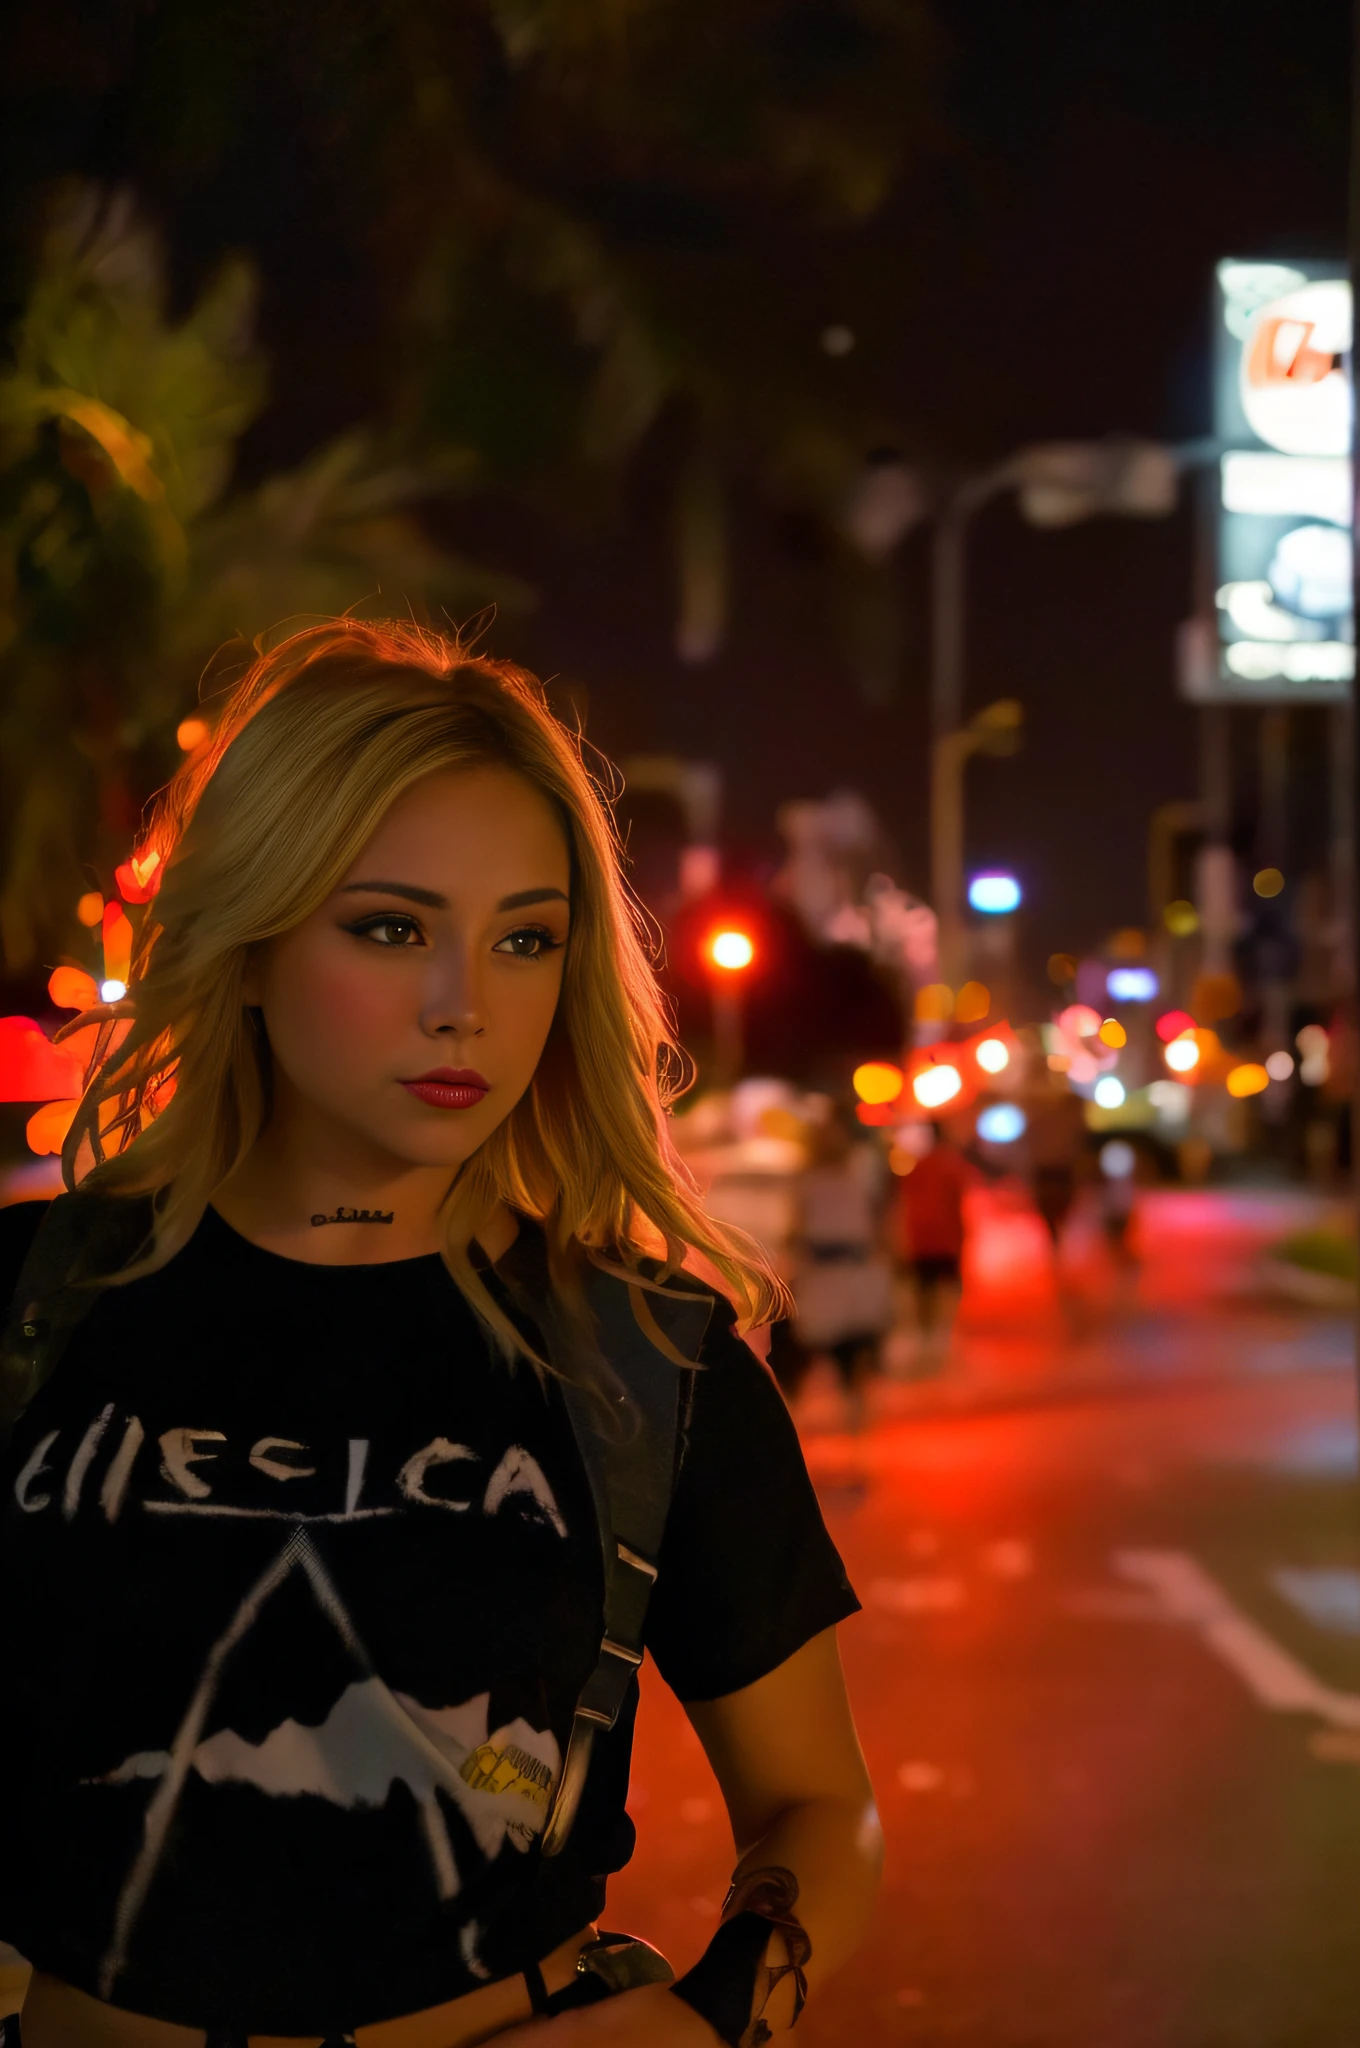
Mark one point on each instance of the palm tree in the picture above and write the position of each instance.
(567, 228)
(126, 559)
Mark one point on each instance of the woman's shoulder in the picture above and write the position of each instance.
(18, 1227)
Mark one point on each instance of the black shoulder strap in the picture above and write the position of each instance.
(632, 1473)
(80, 1236)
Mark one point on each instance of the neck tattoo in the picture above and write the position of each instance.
(343, 1215)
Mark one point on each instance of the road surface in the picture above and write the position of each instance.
(1108, 1673)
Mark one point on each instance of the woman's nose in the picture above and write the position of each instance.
(454, 997)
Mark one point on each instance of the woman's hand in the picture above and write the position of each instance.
(650, 2017)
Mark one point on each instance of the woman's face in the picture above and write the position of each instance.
(409, 1012)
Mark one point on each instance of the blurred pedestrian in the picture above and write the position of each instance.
(842, 1282)
(1055, 1144)
(931, 1238)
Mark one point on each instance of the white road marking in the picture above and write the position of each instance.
(1329, 1598)
(1278, 1680)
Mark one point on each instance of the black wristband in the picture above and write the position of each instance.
(722, 1985)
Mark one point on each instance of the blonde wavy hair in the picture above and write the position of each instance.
(321, 735)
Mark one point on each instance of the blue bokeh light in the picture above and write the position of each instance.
(994, 894)
(1132, 984)
(1001, 1123)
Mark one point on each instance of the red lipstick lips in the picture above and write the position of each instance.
(448, 1088)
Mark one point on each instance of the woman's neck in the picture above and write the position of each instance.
(335, 1211)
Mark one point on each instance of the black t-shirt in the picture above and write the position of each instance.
(301, 1582)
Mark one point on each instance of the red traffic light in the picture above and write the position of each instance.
(730, 949)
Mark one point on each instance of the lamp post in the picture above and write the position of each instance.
(1058, 483)
(993, 731)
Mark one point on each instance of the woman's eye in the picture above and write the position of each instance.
(393, 930)
(529, 943)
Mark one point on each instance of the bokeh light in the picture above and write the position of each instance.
(1182, 1055)
(1171, 1099)
(1127, 944)
(1112, 1033)
(1079, 1020)
(934, 1086)
(1248, 1079)
(1216, 996)
(117, 945)
(731, 950)
(995, 895)
(993, 1055)
(1315, 1049)
(1061, 968)
(139, 877)
(934, 1003)
(71, 988)
(46, 1129)
(1172, 1023)
(1109, 1092)
(1117, 1159)
(112, 990)
(1280, 1065)
(1181, 918)
(90, 909)
(1131, 985)
(973, 1002)
(1001, 1123)
(190, 733)
(877, 1081)
(1268, 882)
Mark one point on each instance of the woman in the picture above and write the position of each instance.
(301, 1537)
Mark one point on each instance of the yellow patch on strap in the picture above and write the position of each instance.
(511, 1769)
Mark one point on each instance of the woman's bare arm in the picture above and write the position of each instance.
(792, 1774)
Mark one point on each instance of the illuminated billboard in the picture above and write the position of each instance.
(1283, 405)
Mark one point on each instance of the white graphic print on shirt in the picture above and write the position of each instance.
(373, 1738)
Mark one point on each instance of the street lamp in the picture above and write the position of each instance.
(1057, 483)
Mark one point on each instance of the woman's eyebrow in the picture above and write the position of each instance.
(434, 901)
(429, 897)
(523, 897)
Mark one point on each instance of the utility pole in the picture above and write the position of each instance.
(1215, 879)
(950, 747)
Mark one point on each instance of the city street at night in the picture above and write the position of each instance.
(1108, 1676)
(679, 678)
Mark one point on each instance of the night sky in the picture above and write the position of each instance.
(1044, 273)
